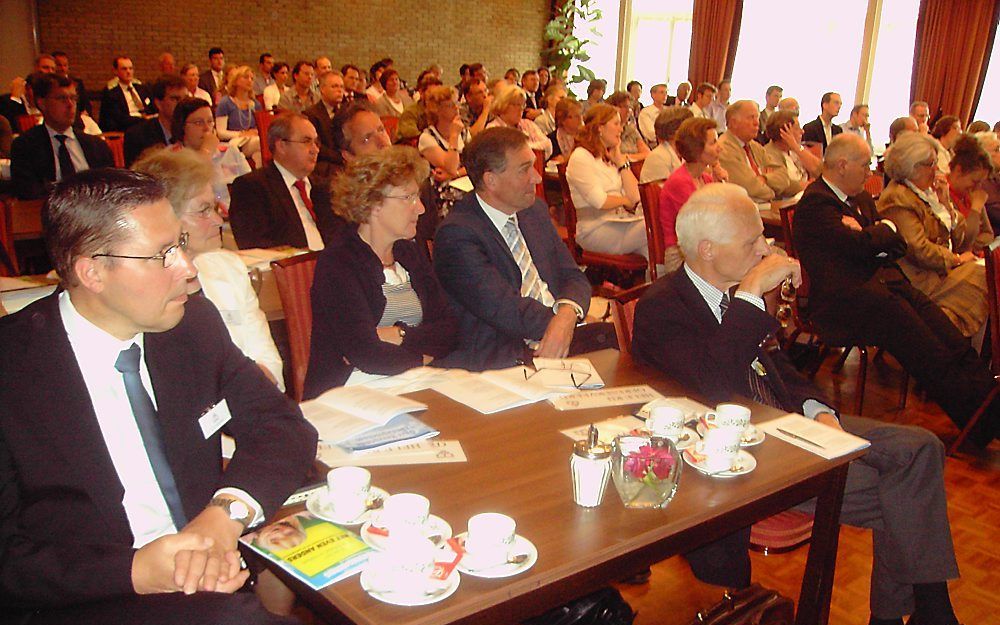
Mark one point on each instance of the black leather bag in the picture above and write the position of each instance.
(754, 605)
(604, 607)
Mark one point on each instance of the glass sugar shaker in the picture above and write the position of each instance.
(591, 468)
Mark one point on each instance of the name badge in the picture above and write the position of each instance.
(214, 418)
(232, 317)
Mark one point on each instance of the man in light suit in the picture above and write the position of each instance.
(742, 157)
(124, 101)
(54, 150)
(706, 326)
(114, 506)
(515, 288)
(279, 204)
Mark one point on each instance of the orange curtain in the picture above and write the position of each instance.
(715, 27)
(950, 58)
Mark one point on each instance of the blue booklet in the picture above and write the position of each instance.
(403, 428)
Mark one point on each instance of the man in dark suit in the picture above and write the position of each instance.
(279, 204)
(515, 288)
(331, 98)
(54, 150)
(112, 494)
(858, 291)
(167, 91)
(62, 68)
(125, 101)
(212, 80)
(822, 130)
(705, 325)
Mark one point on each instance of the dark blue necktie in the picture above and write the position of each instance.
(149, 430)
(66, 168)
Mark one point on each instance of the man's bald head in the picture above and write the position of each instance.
(789, 104)
(846, 162)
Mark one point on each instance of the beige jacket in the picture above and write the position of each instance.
(734, 160)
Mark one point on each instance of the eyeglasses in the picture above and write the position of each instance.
(306, 141)
(368, 138)
(169, 256)
(207, 210)
(64, 99)
(410, 198)
(577, 378)
(204, 123)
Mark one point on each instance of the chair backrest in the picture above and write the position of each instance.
(391, 124)
(540, 168)
(8, 258)
(116, 142)
(294, 277)
(623, 314)
(264, 119)
(650, 194)
(787, 216)
(801, 305)
(569, 211)
(260, 99)
(874, 184)
(636, 167)
(993, 291)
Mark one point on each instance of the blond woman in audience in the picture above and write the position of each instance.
(603, 187)
(193, 127)
(280, 72)
(508, 110)
(940, 257)
(442, 142)
(190, 75)
(222, 275)
(394, 99)
(569, 121)
(234, 117)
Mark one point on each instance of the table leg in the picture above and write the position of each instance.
(817, 582)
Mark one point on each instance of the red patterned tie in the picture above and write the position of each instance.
(301, 186)
(753, 163)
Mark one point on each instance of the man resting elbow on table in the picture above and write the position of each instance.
(512, 282)
(113, 503)
(705, 325)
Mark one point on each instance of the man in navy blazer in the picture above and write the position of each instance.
(509, 307)
(116, 391)
(125, 101)
(35, 160)
(706, 326)
(822, 130)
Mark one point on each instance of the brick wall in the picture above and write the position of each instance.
(501, 33)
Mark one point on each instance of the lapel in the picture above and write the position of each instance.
(284, 205)
(46, 153)
(74, 435)
(493, 236)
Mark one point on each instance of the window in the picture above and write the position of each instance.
(892, 69)
(603, 46)
(989, 104)
(655, 26)
(787, 43)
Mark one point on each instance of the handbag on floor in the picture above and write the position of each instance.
(754, 605)
(604, 607)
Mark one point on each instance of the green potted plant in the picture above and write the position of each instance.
(565, 47)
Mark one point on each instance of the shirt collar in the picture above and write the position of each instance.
(708, 292)
(68, 132)
(94, 343)
(496, 216)
(840, 194)
(290, 178)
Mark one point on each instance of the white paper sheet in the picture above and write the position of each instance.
(607, 430)
(421, 452)
(826, 441)
(616, 396)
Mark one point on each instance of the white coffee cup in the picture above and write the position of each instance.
(729, 415)
(404, 512)
(406, 565)
(666, 421)
(490, 538)
(720, 447)
(349, 488)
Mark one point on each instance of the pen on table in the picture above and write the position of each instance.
(801, 438)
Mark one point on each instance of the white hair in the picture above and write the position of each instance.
(907, 152)
(711, 213)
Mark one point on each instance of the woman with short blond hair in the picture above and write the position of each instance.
(508, 112)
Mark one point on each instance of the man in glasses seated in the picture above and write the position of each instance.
(114, 506)
(54, 150)
(514, 286)
(279, 204)
(705, 325)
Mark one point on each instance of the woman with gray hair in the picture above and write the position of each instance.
(222, 275)
(508, 112)
(939, 259)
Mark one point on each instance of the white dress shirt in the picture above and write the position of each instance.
(647, 123)
(313, 239)
(72, 145)
(96, 352)
(133, 110)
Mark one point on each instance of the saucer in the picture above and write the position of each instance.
(756, 434)
(321, 507)
(692, 410)
(747, 464)
(410, 598)
(375, 537)
(504, 569)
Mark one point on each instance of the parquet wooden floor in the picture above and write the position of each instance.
(973, 487)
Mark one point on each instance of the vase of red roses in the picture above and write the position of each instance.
(646, 470)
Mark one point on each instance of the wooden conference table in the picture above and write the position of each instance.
(518, 464)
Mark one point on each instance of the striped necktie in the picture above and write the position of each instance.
(760, 388)
(531, 283)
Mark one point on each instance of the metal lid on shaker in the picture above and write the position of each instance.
(591, 448)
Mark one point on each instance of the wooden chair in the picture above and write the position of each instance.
(650, 194)
(827, 337)
(264, 119)
(993, 292)
(8, 258)
(636, 167)
(391, 124)
(116, 141)
(27, 122)
(260, 99)
(623, 314)
(874, 184)
(540, 168)
(293, 277)
(620, 262)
